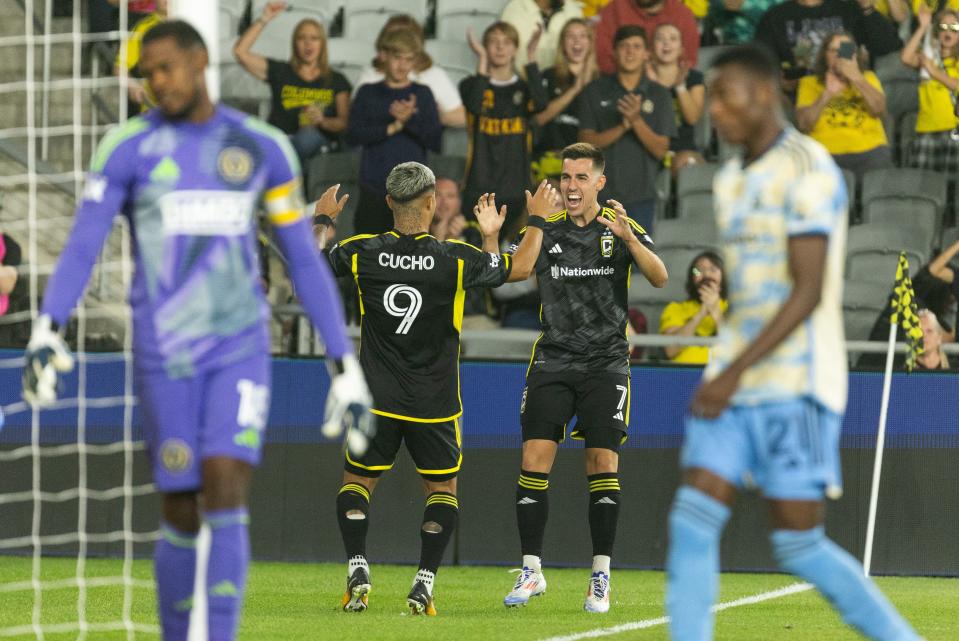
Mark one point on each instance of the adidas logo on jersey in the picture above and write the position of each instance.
(605, 501)
(526, 501)
(618, 416)
(555, 249)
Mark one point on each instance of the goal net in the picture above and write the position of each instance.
(76, 503)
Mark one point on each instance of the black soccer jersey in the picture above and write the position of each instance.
(583, 275)
(412, 290)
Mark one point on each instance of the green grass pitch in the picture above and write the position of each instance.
(292, 602)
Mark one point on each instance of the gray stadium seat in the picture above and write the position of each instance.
(454, 56)
(707, 55)
(886, 191)
(455, 142)
(872, 251)
(905, 134)
(447, 166)
(699, 234)
(343, 168)
(694, 191)
(240, 89)
(949, 236)
(454, 17)
(862, 302)
(350, 57)
(363, 19)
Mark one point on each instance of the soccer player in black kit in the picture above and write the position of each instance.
(412, 289)
(580, 363)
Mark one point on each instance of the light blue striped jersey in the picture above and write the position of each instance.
(793, 189)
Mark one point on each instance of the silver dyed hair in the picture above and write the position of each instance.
(409, 180)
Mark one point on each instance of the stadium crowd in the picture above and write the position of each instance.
(873, 82)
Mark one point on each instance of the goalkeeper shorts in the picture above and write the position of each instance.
(434, 447)
(219, 412)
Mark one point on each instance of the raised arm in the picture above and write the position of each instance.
(648, 262)
(254, 63)
(910, 55)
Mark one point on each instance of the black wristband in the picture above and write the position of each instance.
(536, 221)
(322, 219)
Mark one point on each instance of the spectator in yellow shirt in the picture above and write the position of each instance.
(936, 58)
(701, 314)
(841, 107)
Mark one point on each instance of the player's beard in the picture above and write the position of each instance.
(191, 105)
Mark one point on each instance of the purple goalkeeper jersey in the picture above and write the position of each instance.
(191, 192)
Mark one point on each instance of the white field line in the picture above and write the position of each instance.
(795, 588)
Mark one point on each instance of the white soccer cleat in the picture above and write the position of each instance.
(530, 583)
(597, 595)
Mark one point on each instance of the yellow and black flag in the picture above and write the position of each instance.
(905, 312)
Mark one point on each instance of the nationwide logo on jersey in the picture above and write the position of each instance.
(556, 249)
(235, 165)
(558, 272)
(606, 245)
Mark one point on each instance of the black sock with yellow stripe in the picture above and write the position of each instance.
(532, 511)
(352, 512)
(439, 522)
(604, 499)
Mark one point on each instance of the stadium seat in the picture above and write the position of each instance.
(454, 56)
(888, 191)
(694, 191)
(447, 166)
(872, 251)
(241, 90)
(950, 235)
(363, 19)
(905, 134)
(454, 17)
(653, 301)
(343, 168)
(350, 57)
(851, 186)
(455, 142)
(862, 302)
(699, 234)
(707, 55)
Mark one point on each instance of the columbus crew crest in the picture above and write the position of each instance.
(235, 165)
(606, 245)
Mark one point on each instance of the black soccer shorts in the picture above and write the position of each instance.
(600, 402)
(434, 447)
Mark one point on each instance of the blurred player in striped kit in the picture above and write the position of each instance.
(189, 176)
(770, 407)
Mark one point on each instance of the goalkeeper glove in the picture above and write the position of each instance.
(47, 356)
(348, 406)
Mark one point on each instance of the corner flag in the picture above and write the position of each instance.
(905, 312)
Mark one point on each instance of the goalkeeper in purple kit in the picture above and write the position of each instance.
(190, 176)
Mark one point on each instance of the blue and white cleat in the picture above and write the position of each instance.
(530, 583)
(597, 596)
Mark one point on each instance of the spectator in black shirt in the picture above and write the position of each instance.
(796, 29)
(499, 105)
(575, 68)
(631, 119)
(669, 67)
(310, 102)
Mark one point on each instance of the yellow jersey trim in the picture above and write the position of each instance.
(459, 299)
(463, 242)
(413, 419)
(354, 267)
(357, 237)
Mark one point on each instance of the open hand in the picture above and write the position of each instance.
(544, 202)
(713, 397)
(329, 205)
(630, 106)
(490, 221)
(272, 9)
(620, 227)
(533, 43)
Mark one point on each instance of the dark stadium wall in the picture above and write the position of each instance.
(292, 504)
